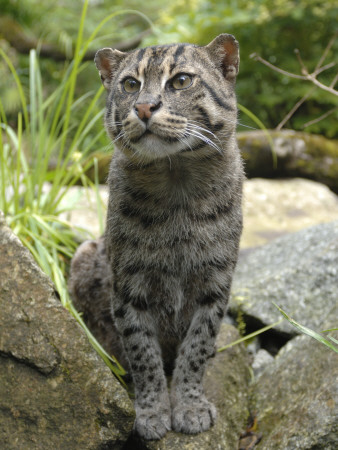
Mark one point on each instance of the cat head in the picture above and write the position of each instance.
(171, 99)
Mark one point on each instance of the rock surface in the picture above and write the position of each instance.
(55, 392)
(226, 385)
(299, 272)
(296, 398)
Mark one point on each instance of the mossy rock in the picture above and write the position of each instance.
(294, 154)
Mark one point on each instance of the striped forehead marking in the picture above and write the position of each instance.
(162, 58)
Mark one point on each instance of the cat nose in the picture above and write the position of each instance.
(145, 110)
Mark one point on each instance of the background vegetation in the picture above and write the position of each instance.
(270, 28)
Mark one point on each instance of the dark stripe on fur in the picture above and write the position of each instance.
(137, 301)
(220, 210)
(178, 52)
(131, 330)
(140, 54)
(146, 220)
(216, 127)
(210, 298)
(120, 312)
(218, 100)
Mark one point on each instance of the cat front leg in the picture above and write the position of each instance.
(152, 404)
(191, 411)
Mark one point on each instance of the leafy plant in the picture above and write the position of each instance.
(31, 192)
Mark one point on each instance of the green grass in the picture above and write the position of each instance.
(311, 333)
(304, 330)
(31, 192)
(250, 336)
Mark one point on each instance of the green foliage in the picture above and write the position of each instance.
(272, 29)
(57, 22)
(21, 11)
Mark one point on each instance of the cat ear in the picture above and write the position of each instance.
(107, 61)
(224, 50)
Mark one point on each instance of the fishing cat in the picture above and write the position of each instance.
(160, 277)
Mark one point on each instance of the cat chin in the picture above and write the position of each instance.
(152, 146)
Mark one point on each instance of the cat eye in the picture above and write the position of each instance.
(131, 85)
(181, 81)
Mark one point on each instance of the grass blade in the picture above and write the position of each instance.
(261, 125)
(251, 335)
(19, 86)
(306, 330)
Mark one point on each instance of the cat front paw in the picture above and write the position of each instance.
(151, 424)
(193, 417)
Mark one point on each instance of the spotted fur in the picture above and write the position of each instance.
(165, 265)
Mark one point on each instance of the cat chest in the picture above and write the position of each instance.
(176, 235)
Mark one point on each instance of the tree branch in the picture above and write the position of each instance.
(334, 81)
(275, 68)
(312, 77)
(326, 51)
(323, 116)
(294, 109)
(321, 85)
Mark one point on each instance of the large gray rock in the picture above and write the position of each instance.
(299, 272)
(226, 385)
(55, 392)
(296, 398)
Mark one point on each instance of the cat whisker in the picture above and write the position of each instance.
(193, 132)
(119, 136)
(199, 131)
(246, 126)
(201, 128)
